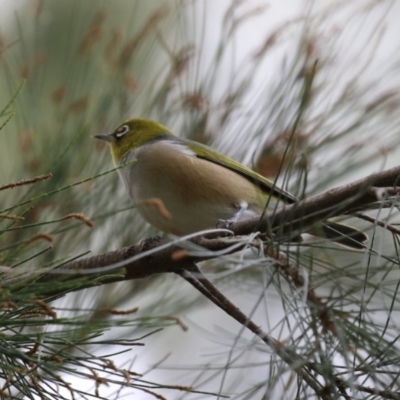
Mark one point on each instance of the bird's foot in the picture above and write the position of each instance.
(227, 223)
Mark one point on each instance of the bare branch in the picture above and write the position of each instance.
(155, 256)
(341, 200)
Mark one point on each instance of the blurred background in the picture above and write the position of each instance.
(230, 74)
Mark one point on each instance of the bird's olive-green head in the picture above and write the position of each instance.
(131, 135)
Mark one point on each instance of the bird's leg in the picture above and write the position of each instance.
(226, 223)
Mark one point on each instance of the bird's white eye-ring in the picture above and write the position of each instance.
(121, 131)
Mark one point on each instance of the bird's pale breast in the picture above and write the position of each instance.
(196, 193)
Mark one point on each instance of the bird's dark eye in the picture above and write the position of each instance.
(121, 131)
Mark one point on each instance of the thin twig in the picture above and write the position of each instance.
(292, 274)
(385, 394)
(378, 222)
(196, 278)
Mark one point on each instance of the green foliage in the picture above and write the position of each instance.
(71, 69)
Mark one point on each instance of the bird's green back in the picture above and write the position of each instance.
(264, 184)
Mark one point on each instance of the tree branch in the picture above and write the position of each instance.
(155, 256)
(341, 200)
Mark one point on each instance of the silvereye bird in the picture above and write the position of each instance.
(181, 186)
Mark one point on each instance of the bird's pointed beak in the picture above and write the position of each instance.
(105, 136)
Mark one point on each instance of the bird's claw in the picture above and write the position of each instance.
(225, 223)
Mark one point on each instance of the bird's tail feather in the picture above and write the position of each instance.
(344, 234)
